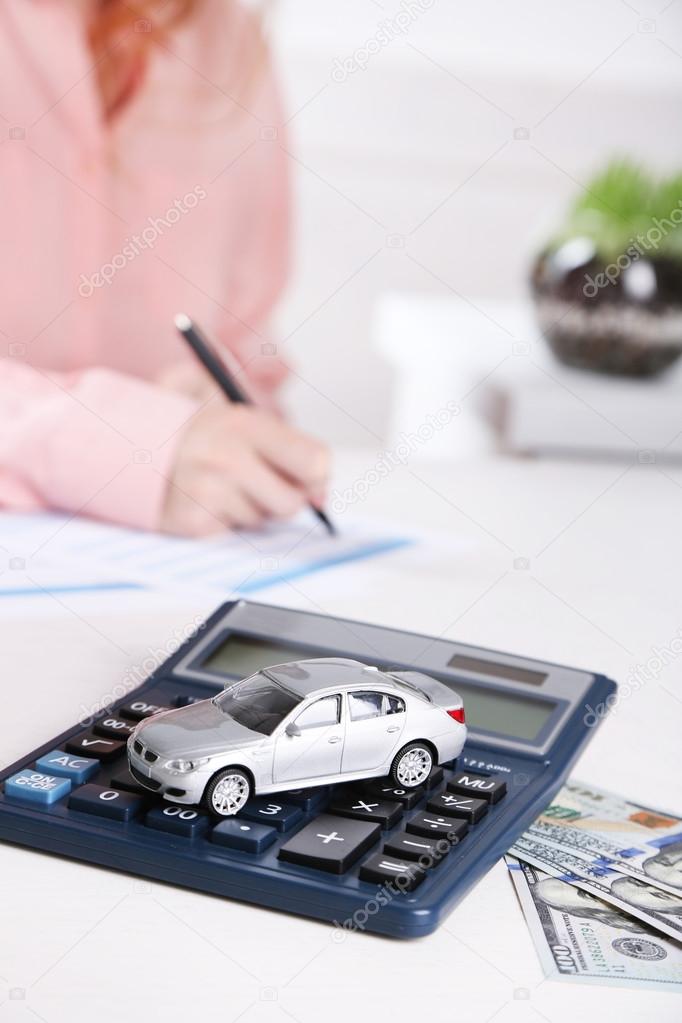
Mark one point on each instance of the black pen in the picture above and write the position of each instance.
(216, 368)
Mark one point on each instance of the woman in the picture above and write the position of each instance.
(142, 174)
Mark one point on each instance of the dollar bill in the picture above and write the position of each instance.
(580, 938)
(637, 898)
(601, 826)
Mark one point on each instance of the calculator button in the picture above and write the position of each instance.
(36, 787)
(119, 806)
(490, 789)
(95, 746)
(125, 781)
(413, 847)
(330, 843)
(307, 799)
(187, 701)
(383, 788)
(178, 820)
(282, 816)
(139, 709)
(434, 778)
(458, 806)
(382, 868)
(78, 769)
(237, 834)
(363, 807)
(114, 728)
(434, 825)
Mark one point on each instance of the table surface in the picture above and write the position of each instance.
(571, 562)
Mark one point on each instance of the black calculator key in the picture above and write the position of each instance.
(363, 807)
(434, 778)
(114, 728)
(434, 825)
(139, 709)
(491, 789)
(237, 834)
(89, 745)
(385, 790)
(382, 868)
(187, 701)
(127, 783)
(119, 806)
(307, 799)
(452, 805)
(178, 820)
(330, 843)
(414, 847)
(282, 815)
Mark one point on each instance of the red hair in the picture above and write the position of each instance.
(121, 34)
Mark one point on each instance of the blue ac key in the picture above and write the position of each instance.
(237, 834)
(78, 769)
(179, 820)
(112, 803)
(35, 787)
(282, 816)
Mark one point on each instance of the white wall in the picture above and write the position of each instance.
(412, 174)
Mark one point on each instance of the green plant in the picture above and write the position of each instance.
(623, 203)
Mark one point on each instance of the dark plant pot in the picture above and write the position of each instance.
(623, 319)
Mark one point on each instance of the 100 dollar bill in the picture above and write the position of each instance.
(579, 937)
(654, 907)
(602, 826)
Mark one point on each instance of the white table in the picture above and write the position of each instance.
(600, 589)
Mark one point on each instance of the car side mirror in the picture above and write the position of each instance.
(292, 730)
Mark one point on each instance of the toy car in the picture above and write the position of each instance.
(295, 725)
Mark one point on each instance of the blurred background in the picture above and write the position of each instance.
(436, 147)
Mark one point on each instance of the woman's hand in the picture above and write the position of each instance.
(238, 465)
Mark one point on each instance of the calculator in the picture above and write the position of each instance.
(360, 855)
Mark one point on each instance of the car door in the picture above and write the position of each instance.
(374, 725)
(316, 749)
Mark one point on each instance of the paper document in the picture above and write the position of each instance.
(46, 553)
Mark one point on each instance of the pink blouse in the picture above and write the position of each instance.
(108, 231)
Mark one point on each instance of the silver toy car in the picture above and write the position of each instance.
(295, 725)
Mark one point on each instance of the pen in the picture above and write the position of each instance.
(216, 368)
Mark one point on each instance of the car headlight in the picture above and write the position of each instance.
(184, 766)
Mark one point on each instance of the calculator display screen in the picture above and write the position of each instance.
(505, 713)
(241, 655)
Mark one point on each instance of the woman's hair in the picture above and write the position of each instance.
(121, 34)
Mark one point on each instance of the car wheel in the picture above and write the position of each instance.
(412, 765)
(227, 792)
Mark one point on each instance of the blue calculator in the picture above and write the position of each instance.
(362, 855)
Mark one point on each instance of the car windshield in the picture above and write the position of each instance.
(258, 703)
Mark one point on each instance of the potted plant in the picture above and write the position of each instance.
(608, 287)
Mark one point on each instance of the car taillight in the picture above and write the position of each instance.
(457, 715)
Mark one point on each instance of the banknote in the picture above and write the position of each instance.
(642, 841)
(578, 937)
(647, 864)
(637, 898)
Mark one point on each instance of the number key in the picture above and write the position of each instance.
(112, 803)
(282, 816)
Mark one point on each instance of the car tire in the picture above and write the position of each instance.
(228, 792)
(412, 765)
